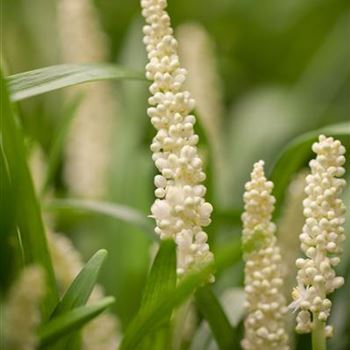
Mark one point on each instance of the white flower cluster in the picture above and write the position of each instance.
(180, 210)
(89, 141)
(22, 309)
(265, 326)
(322, 235)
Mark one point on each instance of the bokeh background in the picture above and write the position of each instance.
(262, 72)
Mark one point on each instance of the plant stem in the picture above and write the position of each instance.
(319, 336)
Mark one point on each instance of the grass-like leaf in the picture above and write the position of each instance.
(162, 277)
(150, 319)
(43, 80)
(298, 152)
(70, 321)
(113, 210)
(211, 309)
(28, 216)
(161, 281)
(80, 289)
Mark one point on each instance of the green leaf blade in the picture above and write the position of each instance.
(81, 288)
(213, 312)
(27, 210)
(70, 321)
(47, 79)
(162, 277)
(147, 321)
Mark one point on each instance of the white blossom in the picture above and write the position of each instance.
(265, 326)
(321, 236)
(22, 309)
(89, 141)
(180, 210)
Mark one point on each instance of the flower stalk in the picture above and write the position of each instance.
(319, 336)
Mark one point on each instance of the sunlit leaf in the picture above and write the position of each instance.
(43, 80)
(113, 210)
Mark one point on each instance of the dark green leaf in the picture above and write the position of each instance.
(28, 215)
(211, 309)
(42, 80)
(70, 321)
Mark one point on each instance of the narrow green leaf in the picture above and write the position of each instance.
(162, 277)
(70, 321)
(211, 309)
(161, 281)
(113, 210)
(79, 291)
(43, 80)
(7, 227)
(297, 153)
(28, 215)
(147, 321)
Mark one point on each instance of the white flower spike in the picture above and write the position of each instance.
(321, 237)
(265, 325)
(22, 309)
(180, 210)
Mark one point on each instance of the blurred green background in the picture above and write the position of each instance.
(281, 68)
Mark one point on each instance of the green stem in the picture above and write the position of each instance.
(319, 335)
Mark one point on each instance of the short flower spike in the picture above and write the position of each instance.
(180, 210)
(321, 237)
(22, 309)
(265, 325)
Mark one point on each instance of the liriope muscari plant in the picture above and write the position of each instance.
(180, 210)
(321, 239)
(265, 323)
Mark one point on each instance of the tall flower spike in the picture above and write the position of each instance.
(180, 210)
(321, 237)
(265, 326)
